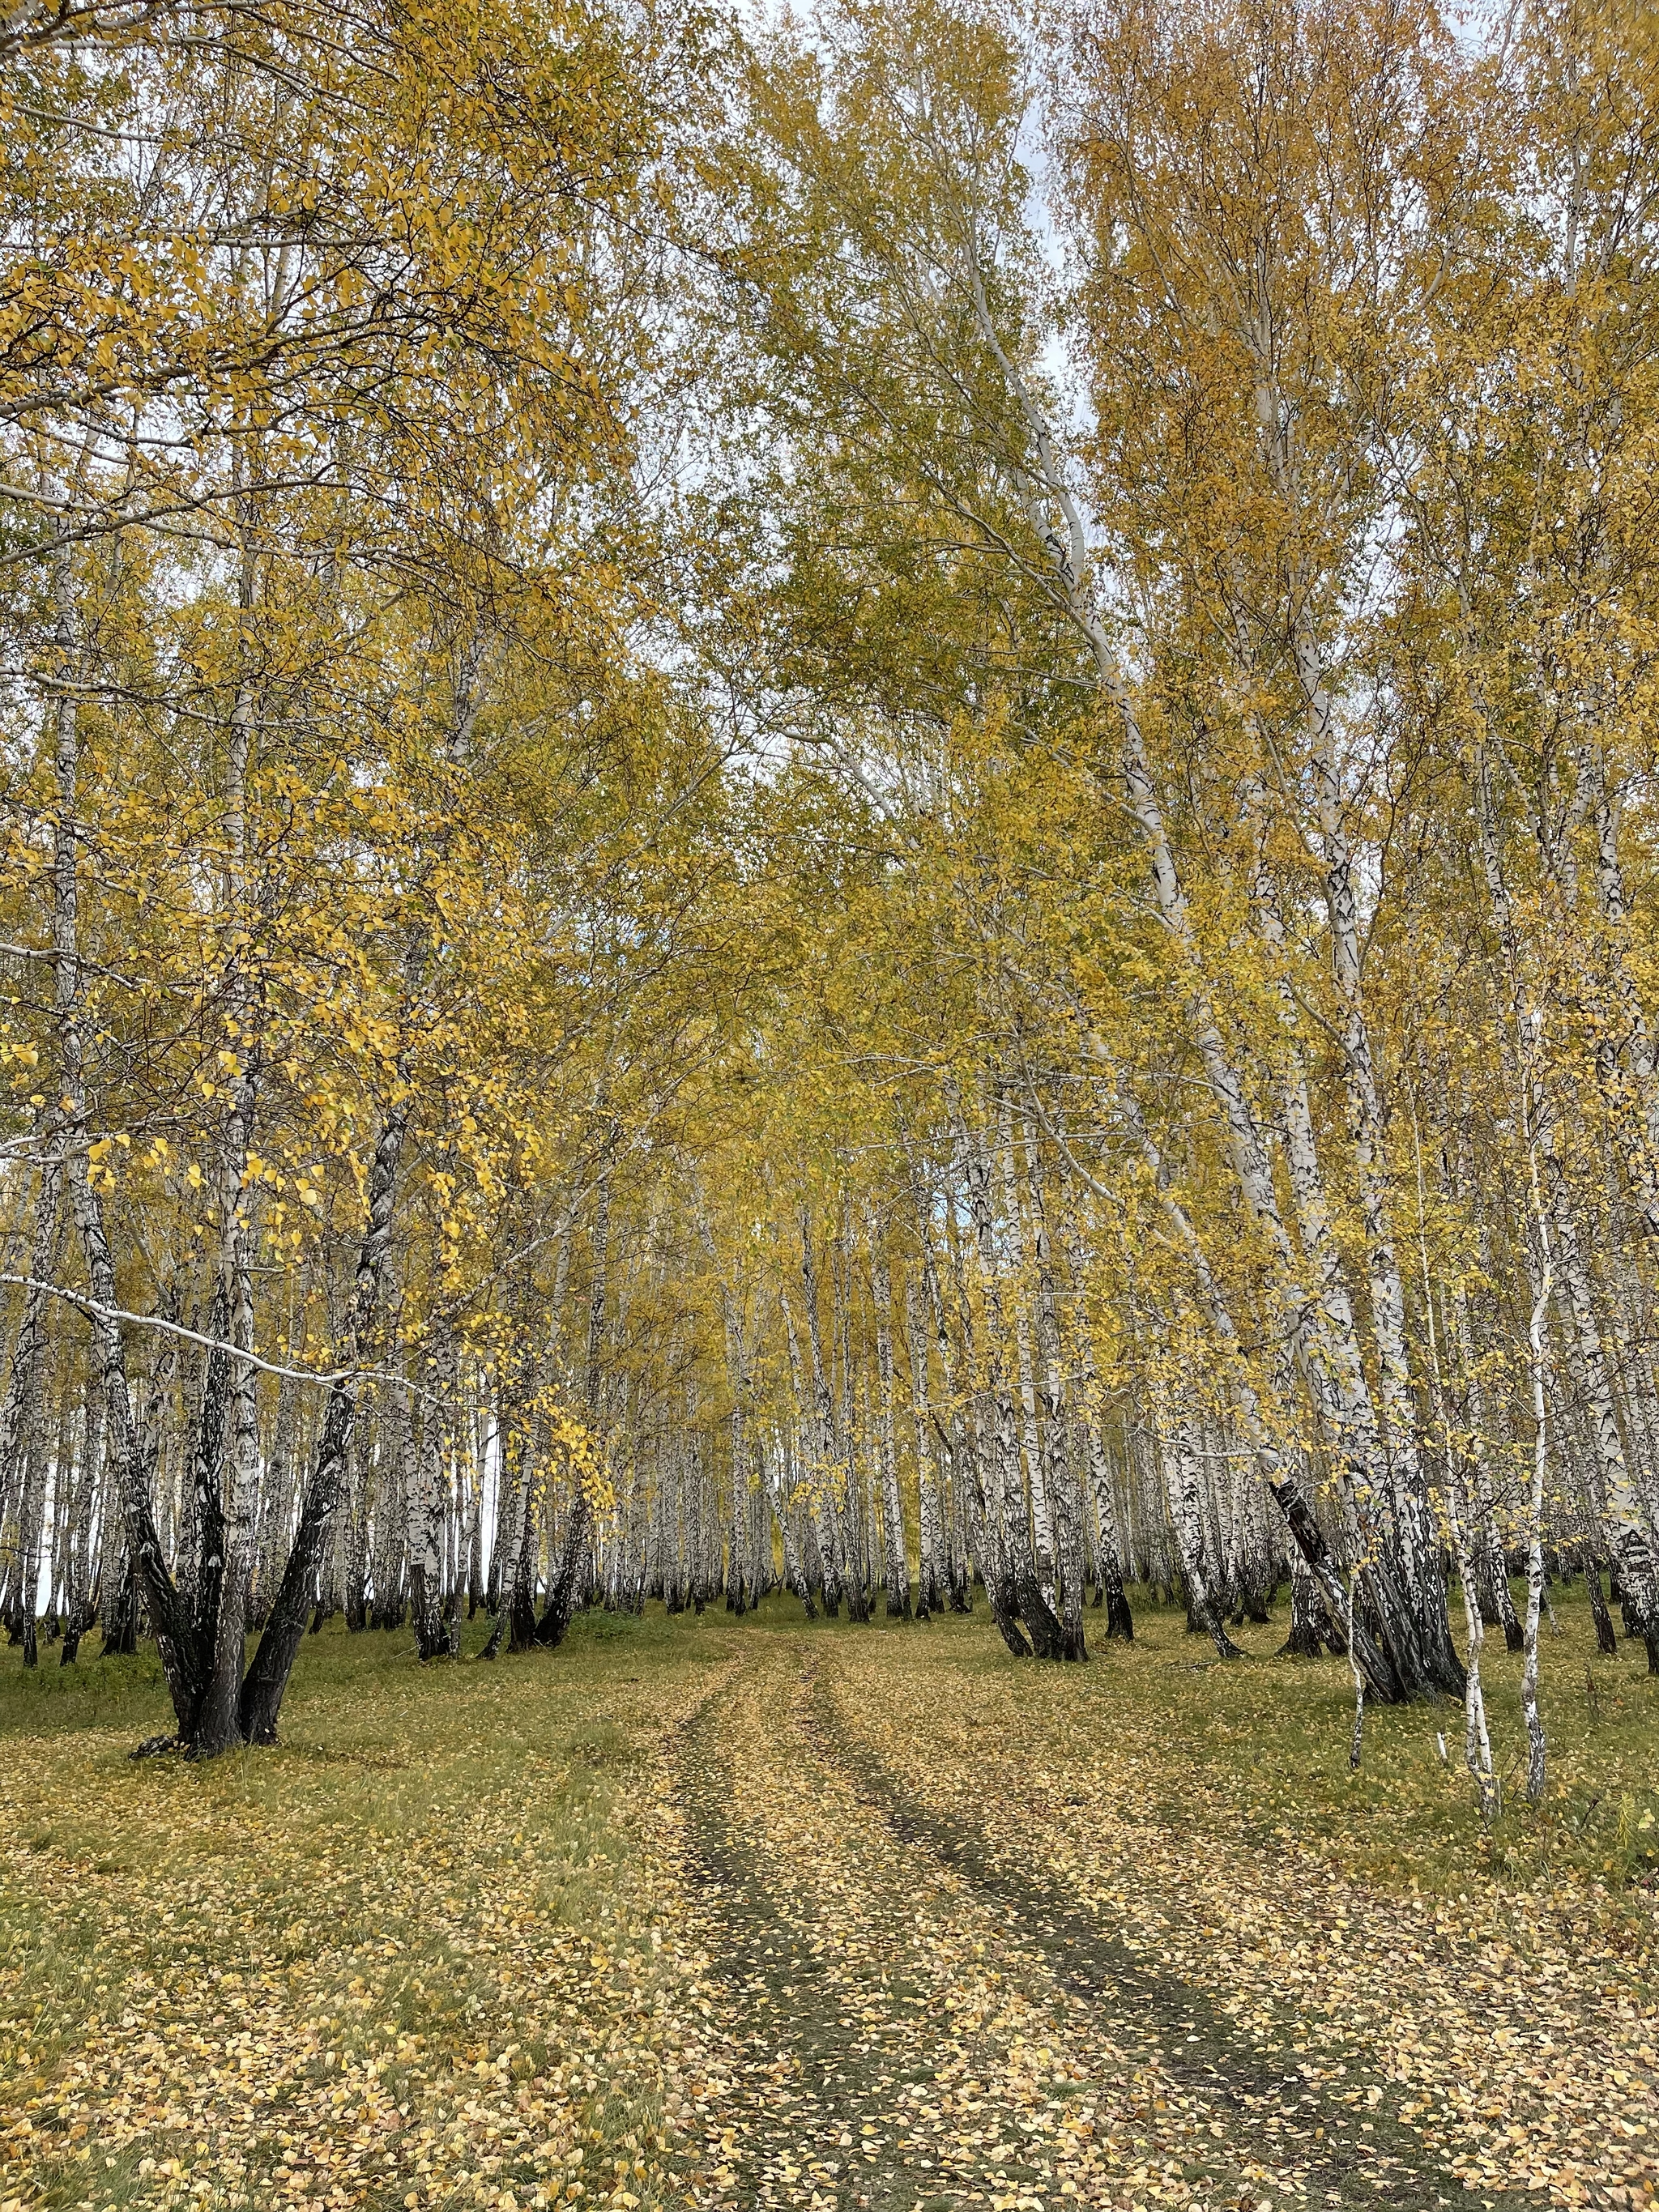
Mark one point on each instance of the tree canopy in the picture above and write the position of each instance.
(866, 804)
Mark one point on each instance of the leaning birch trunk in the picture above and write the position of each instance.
(1059, 530)
(279, 1645)
(1388, 1447)
(1627, 1535)
(1307, 1638)
(266, 1681)
(1400, 1456)
(168, 1619)
(1357, 1432)
(1380, 1663)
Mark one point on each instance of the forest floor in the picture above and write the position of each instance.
(749, 1913)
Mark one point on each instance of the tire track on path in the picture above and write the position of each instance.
(1369, 2159)
(908, 2027)
(800, 2099)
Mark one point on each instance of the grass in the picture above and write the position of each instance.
(1271, 1735)
(1274, 1735)
(424, 1921)
(427, 1953)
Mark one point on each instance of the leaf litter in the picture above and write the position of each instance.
(738, 1915)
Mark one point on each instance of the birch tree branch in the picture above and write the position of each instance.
(323, 1379)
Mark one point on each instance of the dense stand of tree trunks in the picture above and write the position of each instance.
(923, 1439)
(999, 999)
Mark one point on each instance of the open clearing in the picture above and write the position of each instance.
(720, 1911)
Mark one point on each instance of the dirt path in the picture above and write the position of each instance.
(911, 2024)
